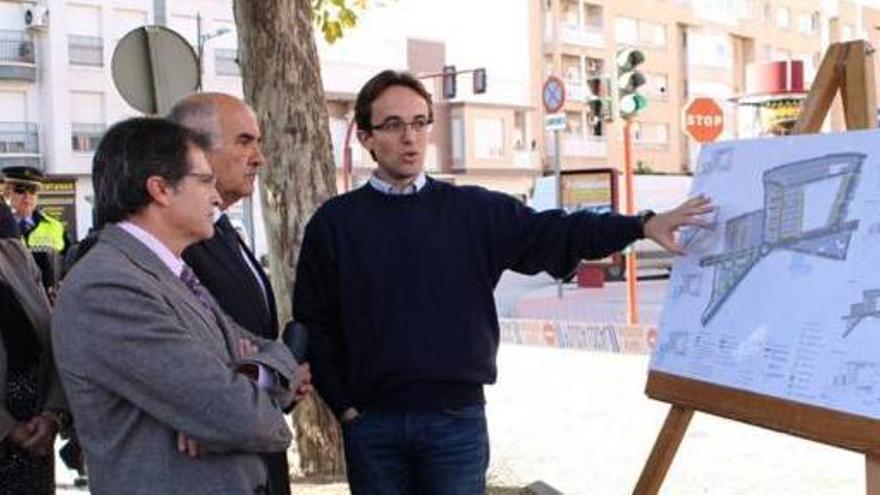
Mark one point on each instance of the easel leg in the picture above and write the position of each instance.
(872, 466)
(667, 443)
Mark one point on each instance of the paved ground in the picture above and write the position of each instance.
(579, 421)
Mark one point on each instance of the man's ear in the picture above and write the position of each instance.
(159, 190)
(365, 137)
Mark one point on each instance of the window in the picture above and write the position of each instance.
(574, 124)
(85, 137)
(710, 50)
(16, 46)
(846, 33)
(594, 17)
(571, 70)
(570, 16)
(767, 14)
(630, 31)
(805, 24)
(489, 138)
(16, 134)
(594, 66)
(457, 140)
(85, 46)
(651, 134)
(85, 50)
(783, 20)
(87, 120)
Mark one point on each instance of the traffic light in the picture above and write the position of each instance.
(449, 81)
(479, 78)
(629, 101)
(599, 99)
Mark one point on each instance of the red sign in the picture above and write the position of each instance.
(703, 120)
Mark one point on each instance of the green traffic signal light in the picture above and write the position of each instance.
(632, 104)
(629, 80)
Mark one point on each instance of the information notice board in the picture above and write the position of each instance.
(780, 297)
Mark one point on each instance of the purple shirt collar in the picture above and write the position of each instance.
(173, 262)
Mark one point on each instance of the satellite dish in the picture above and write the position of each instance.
(153, 67)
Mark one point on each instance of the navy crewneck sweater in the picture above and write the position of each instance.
(397, 291)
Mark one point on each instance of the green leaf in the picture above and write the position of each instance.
(348, 18)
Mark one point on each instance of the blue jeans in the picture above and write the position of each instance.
(442, 453)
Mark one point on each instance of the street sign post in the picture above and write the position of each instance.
(553, 94)
(153, 67)
(555, 122)
(703, 120)
(553, 97)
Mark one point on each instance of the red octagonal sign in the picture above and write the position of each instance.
(703, 120)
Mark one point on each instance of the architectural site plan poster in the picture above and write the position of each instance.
(780, 296)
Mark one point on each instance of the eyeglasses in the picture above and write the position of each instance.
(203, 178)
(397, 126)
(23, 189)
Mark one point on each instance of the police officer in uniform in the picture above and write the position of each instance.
(45, 236)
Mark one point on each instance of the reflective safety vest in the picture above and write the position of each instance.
(48, 233)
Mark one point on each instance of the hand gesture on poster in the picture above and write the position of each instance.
(661, 227)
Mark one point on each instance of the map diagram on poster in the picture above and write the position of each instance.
(780, 296)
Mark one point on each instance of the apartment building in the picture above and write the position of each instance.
(692, 48)
(56, 91)
(57, 95)
(491, 139)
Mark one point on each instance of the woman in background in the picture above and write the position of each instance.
(32, 405)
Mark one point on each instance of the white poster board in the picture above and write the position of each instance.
(780, 297)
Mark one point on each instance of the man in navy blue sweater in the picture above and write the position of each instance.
(395, 283)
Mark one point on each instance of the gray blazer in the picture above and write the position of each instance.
(20, 272)
(141, 360)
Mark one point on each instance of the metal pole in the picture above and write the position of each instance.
(200, 48)
(557, 166)
(159, 13)
(347, 165)
(632, 312)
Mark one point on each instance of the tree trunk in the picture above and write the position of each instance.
(281, 75)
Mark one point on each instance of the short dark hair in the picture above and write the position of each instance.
(129, 153)
(363, 106)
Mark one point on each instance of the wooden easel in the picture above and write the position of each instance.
(849, 69)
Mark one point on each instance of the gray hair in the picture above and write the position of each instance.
(197, 114)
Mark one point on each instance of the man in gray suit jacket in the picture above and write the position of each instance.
(169, 394)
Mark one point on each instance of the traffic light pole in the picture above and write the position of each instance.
(557, 167)
(632, 308)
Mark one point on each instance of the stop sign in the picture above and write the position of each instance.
(703, 120)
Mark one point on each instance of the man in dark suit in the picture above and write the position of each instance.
(224, 264)
(169, 395)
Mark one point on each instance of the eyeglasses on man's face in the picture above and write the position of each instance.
(204, 179)
(398, 126)
(24, 189)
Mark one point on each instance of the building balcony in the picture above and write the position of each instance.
(226, 62)
(591, 37)
(85, 50)
(584, 147)
(17, 61)
(85, 137)
(19, 145)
